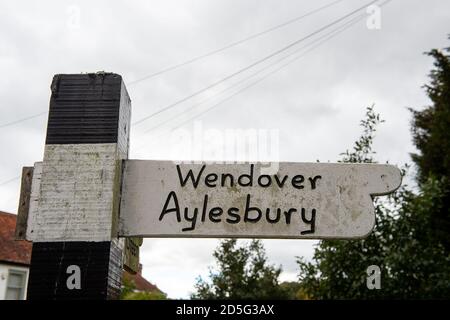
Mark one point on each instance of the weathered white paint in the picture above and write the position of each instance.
(342, 200)
(75, 193)
(123, 140)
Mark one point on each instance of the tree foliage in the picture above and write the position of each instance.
(362, 150)
(404, 245)
(242, 273)
(129, 292)
(410, 242)
(431, 126)
(431, 136)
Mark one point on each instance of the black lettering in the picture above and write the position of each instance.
(205, 203)
(227, 175)
(277, 218)
(313, 181)
(248, 209)
(215, 212)
(311, 221)
(288, 215)
(297, 181)
(192, 219)
(233, 213)
(175, 209)
(268, 178)
(282, 182)
(210, 178)
(190, 175)
(248, 176)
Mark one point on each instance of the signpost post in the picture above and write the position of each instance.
(88, 204)
(74, 208)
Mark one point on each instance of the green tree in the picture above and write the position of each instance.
(127, 288)
(403, 244)
(416, 262)
(294, 290)
(338, 269)
(431, 136)
(129, 292)
(242, 273)
(362, 150)
(145, 295)
(430, 126)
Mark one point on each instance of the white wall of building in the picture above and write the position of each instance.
(5, 270)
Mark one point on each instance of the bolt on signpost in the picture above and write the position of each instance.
(87, 206)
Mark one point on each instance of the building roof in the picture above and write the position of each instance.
(12, 251)
(140, 283)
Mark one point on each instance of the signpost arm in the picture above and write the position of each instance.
(76, 253)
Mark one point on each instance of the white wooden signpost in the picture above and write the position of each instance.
(302, 200)
(86, 196)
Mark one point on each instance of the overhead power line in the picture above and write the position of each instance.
(9, 181)
(314, 44)
(252, 84)
(210, 53)
(285, 48)
(189, 61)
(233, 44)
(22, 119)
(340, 28)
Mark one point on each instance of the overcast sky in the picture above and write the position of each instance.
(315, 103)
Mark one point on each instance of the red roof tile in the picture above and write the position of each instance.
(141, 284)
(12, 251)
